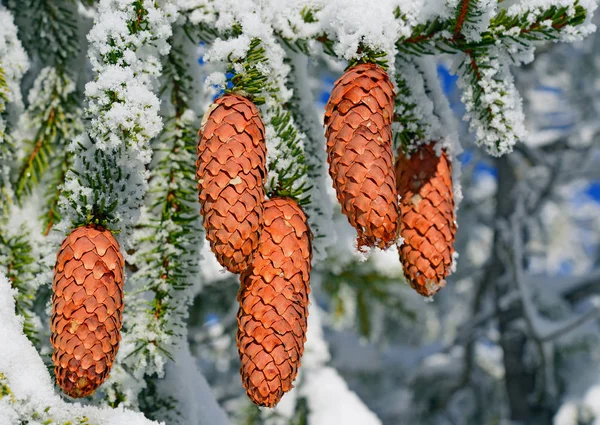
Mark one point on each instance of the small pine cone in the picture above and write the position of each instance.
(87, 309)
(428, 223)
(274, 304)
(359, 117)
(231, 169)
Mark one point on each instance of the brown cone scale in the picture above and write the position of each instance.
(428, 222)
(231, 169)
(274, 304)
(87, 309)
(358, 117)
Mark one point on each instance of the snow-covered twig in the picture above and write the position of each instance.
(108, 180)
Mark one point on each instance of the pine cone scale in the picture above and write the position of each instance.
(231, 168)
(428, 225)
(274, 304)
(358, 117)
(87, 304)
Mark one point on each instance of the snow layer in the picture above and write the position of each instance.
(330, 401)
(124, 111)
(25, 375)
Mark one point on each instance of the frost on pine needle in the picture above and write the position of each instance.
(17, 259)
(320, 210)
(168, 237)
(493, 104)
(471, 17)
(557, 20)
(109, 176)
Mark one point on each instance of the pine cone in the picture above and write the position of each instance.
(231, 169)
(274, 304)
(87, 309)
(358, 117)
(428, 223)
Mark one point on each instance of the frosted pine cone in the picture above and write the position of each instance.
(358, 117)
(87, 309)
(428, 223)
(274, 304)
(231, 169)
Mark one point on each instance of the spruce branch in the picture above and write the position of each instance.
(17, 264)
(409, 123)
(50, 29)
(54, 114)
(108, 181)
(169, 235)
(288, 168)
(493, 105)
(363, 286)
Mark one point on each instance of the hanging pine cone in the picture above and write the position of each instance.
(231, 169)
(358, 117)
(274, 304)
(428, 223)
(87, 309)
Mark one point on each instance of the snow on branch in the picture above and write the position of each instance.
(493, 104)
(168, 237)
(25, 384)
(256, 68)
(49, 30)
(53, 118)
(108, 180)
(16, 259)
(320, 210)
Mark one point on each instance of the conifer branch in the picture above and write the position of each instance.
(17, 264)
(50, 29)
(107, 185)
(169, 235)
(492, 102)
(54, 115)
(16, 259)
(288, 169)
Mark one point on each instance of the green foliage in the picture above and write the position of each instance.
(109, 178)
(368, 289)
(466, 12)
(155, 405)
(17, 264)
(54, 114)
(51, 29)
(520, 31)
(368, 55)
(3, 90)
(301, 412)
(247, 78)
(413, 127)
(290, 166)
(545, 25)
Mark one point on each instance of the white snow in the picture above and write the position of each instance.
(29, 381)
(330, 401)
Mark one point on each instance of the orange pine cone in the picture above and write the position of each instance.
(87, 309)
(428, 222)
(231, 169)
(274, 304)
(358, 117)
